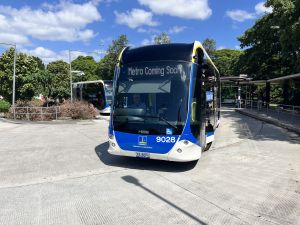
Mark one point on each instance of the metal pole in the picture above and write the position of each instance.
(70, 76)
(55, 113)
(239, 96)
(14, 78)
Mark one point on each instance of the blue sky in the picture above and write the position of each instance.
(49, 28)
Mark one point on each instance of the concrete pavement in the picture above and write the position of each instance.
(289, 121)
(62, 174)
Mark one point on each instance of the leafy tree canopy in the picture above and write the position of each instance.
(226, 61)
(86, 64)
(272, 45)
(56, 80)
(162, 38)
(209, 45)
(26, 67)
(107, 64)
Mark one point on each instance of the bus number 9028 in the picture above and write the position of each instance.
(166, 139)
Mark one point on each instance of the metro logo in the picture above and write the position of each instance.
(142, 140)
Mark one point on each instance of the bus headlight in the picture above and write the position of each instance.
(179, 150)
(186, 142)
(113, 144)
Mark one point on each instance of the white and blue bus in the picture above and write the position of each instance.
(166, 102)
(96, 92)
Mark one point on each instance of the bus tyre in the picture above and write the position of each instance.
(204, 142)
(207, 147)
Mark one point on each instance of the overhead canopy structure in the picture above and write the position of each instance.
(274, 80)
(87, 82)
(248, 81)
(236, 79)
(289, 77)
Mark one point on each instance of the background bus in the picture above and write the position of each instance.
(98, 93)
(166, 102)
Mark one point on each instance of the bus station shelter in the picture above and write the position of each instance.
(243, 88)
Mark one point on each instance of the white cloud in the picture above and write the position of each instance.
(146, 42)
(187, 9)
(48, 55)
(148, 30)
(135, 18)
(45, 54)
(13, 38)
(65, 21)
(260, 8)
(240, 15)
(221, 47)
(176, 29)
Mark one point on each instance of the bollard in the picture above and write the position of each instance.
(42, 113)
(55, 113)
(27, 115)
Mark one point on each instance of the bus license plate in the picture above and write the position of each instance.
(145, 155)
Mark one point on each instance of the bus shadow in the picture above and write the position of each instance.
(139, 163)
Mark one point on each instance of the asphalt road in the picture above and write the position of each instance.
(62, 174)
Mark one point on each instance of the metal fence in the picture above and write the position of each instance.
(288, 114)
(36, 113)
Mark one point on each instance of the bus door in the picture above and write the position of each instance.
(208, 72)
(198, 103)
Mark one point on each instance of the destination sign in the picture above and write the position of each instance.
(155, 70)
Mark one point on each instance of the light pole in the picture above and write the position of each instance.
(14, 72)
(70, 66)
(70, 72)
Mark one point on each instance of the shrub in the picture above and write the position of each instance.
(74, 110)
(4, 106)
(78, 110)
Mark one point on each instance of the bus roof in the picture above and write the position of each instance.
(173, 51)
(183, 52)
(93, 82)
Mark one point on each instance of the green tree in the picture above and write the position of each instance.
(26, 68)
(226, 61)
(86, 64)
(39, 62)
(162, 38)
(107, 64)
(209, 45)
(55, 81)
(45, 83)
(272, 46)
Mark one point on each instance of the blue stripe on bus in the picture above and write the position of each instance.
(210, 134)
(146, 143)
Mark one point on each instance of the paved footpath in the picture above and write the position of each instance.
(62, 174)
(290, 121)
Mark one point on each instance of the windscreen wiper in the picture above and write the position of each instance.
(161, 118)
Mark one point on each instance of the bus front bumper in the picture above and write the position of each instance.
(181, 152)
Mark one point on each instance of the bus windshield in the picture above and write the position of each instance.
(108, 87)
(152, 97)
